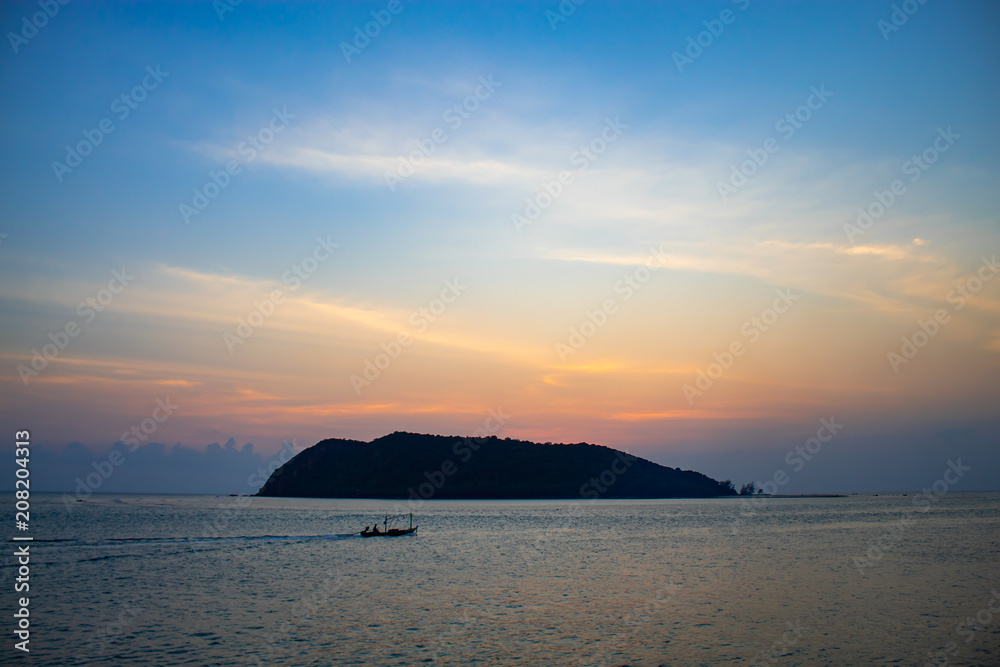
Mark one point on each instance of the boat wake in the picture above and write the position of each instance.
(85, 551)
(62, 542)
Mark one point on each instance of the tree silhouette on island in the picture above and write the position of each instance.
(417, 466)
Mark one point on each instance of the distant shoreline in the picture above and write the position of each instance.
(217, 494)
(797, 495)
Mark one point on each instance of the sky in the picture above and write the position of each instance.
(716, 234)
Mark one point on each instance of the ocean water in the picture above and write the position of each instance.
(174, 580)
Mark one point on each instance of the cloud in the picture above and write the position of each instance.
(151, 468)
(364, 149)
(374, 168)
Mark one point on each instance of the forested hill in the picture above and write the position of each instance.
(412, 465)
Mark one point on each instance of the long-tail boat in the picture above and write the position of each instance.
(389, 532)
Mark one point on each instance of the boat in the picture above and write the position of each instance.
(389, 532)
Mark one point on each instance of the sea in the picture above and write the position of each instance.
(207, 580)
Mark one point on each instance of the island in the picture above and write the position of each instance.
(414, 466)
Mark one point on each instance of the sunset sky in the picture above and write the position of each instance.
(592, 173)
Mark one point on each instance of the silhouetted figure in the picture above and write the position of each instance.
(375, 529)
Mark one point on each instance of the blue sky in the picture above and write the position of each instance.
(323, 176)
